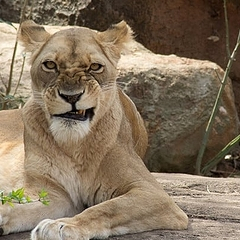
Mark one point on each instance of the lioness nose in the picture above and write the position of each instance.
(72, 99)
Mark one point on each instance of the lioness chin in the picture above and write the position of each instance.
(81, 139)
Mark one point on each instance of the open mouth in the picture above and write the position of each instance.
(80, 115)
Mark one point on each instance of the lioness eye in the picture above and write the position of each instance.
(49, 64)
(96, 67)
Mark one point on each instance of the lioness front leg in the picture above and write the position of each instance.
(129, 213)
(24, 217)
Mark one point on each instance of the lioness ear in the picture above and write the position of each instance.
(32, 35)
(115, 39)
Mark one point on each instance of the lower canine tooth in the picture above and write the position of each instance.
(82, 112)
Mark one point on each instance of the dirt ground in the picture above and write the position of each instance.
(212, 204)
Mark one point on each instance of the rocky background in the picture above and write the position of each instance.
(174, 94)
(192, 29)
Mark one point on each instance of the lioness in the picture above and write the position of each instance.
(81, 139)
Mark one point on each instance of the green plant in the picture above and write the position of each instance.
(214, 161)
(215, 109)
(8, 100)
(19, 197)
(11, 101)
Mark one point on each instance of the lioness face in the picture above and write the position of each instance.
(73, 77)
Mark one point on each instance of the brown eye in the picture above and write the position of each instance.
(49, 65)
(96, 67)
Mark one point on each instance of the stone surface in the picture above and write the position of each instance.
(174, 95)
(58, 12)
(212, 204)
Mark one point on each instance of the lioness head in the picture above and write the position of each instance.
(74, 74)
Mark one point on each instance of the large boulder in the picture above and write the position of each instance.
(175, 97)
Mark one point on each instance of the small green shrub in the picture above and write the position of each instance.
(19, 197)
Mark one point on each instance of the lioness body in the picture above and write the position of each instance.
(83, 143)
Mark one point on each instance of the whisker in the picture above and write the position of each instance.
(38, 98)
(108, 86)
(121, 84)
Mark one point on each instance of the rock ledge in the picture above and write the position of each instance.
(212, 204)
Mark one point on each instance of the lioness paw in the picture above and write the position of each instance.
(5, 227)
(56, 230)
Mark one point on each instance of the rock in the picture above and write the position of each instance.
(212, 205)
(58, 12)
(175, 96)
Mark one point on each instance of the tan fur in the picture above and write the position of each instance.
(97, 182)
